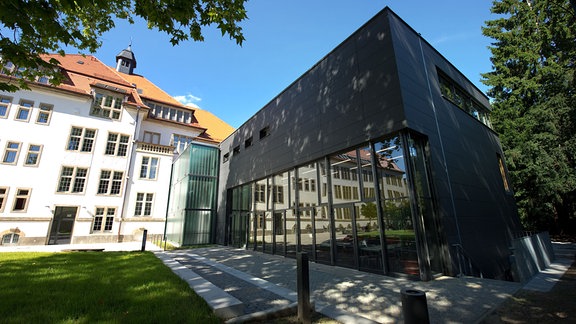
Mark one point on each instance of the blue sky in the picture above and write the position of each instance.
(283, 40)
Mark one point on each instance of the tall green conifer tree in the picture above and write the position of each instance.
(533, 87)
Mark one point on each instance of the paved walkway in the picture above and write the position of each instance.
(346, 295)
(248, 283)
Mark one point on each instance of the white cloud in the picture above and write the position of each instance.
(188, 100)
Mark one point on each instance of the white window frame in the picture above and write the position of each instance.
(5, 102)
(103, 217)
(3, 197)
(110, 179)
(148, 170)
(81, 140)
(107, 106)
(144, 202)
(11, 149)
(27, 106)
(26, 198)
(113, 145)
(30, 153)
(74, 179)
(44, 110)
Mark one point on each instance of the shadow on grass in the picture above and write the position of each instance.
(87, 287)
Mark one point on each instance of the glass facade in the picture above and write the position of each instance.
(193, 190)
(370, 208)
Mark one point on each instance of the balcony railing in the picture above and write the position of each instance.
(154, 148)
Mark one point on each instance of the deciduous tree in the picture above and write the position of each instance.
(29, 29)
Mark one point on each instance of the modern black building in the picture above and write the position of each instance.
(381, 157)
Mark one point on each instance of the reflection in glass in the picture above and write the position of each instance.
(397, 217)
(322, 234)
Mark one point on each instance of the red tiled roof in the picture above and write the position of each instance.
(82, 73)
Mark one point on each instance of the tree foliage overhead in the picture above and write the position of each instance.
(533, 87)
(29, 29)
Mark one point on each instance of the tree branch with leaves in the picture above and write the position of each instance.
(29, 29)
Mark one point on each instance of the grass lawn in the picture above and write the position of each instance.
(89, 287)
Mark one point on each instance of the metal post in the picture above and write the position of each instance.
(144, 240)
(303, 284)
(414, 306)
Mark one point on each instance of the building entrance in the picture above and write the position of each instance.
(62, 225)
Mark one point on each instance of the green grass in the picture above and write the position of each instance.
(95, 287)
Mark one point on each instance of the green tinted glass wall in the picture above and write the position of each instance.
(192, 207)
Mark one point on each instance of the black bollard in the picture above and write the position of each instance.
(303, 284)
(414, 306)
(144, 240)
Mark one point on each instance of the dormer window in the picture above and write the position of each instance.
(107, 106)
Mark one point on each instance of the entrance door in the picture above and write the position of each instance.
(62, 225)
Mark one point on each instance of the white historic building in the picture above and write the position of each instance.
(90, 160)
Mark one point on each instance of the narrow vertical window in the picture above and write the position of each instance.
(3, 197)
(11, 153)
(503, 173)
(21, 200)
(33, 155)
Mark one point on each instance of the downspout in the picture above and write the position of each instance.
(129, 171)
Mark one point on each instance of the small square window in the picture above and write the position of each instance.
(248, 142)
(236, 150)
(226, 158)
(264, 132)
(5, 103)
(44, 114)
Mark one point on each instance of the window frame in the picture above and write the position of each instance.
(29, 153)
(73, 180)
(82, 140)
(104, 219)
(26, 198)
(23, 107)
(3, 197)
(147, 167)
(115, 179)
(117, 144)
(178, 143)
(7, 105)
(145, 203)
(9, 149)
(152, 136)
(107, 106)
(44, 109)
